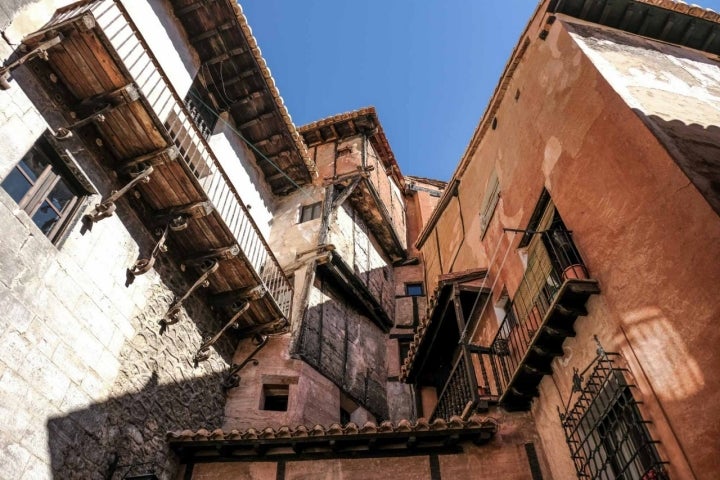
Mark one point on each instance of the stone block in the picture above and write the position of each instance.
(48, 379)
(43, 339)
(13, 458)
(15, 349)
(16, 316)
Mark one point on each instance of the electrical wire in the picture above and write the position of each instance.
(482, 285)
(249, 143)
(497, 277)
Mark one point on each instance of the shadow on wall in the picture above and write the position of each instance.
(126, 435)
(674, 372)
(695, 148)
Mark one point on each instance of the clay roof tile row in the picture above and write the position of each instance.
(301, 431)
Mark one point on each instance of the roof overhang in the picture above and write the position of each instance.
(428, 330)
(238, 81)
(370, 440)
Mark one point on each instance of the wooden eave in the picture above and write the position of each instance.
(345, 125)
(366, 201)
(335, 441)
(665, 20)
(347, 281)
(239, 82)
(86, 65)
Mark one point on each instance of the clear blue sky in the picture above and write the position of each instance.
(428, 66)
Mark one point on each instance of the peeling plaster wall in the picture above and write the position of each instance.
(644, 231)
(674, 90)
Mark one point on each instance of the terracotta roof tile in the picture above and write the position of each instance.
(386, 427)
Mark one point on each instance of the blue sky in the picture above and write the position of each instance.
(428, 66)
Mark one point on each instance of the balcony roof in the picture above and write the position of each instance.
(469, 280)
(238, 80)
(348, 124)
(369, 440)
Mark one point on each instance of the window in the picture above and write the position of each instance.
(414, 289)
(310, 212)
(607, 436)
(43, 186)
(275, 397)
(490, 201)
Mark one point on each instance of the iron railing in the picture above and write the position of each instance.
(460, 388)
(607, 437)
(551, 261)
(196, 153)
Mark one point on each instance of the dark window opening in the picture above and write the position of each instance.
(310, 212)
(275, 397)
(44, 187)
(201, 107)
(344, 416)
(414, 289)
(404, 349)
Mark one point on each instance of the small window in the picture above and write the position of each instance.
(43, 186)
(404, 349)
(275, 397)
(414, 289)
(310, 212)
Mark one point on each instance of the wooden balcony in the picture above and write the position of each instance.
(551, 295)
(114, 94)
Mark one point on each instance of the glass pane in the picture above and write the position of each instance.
(33, 163)
(60, 195)
(16, 185)
(45, 217)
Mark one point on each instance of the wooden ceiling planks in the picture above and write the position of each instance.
(235, 78)
(87, 69)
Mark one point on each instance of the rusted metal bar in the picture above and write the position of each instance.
(107, 207)
(173, 314)
(41, 51)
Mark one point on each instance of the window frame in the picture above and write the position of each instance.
(275, 391)
(410, 285)
(314, 209)
(60, 168)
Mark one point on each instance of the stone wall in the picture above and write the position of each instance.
(86, 381)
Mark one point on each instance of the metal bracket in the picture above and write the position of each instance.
(173, 314)
(107, 207)
(41, 51)
(251, 295)
(215, 255)
(183, 213)
(143, 265)
(203, 352)
(152, 159)
(94, 109)
(232, 379)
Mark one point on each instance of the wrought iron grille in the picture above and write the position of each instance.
(606, 435)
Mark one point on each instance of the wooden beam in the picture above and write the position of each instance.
(233, 52)
(211, 33)
(257, 119)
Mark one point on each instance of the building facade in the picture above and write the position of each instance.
(194, 287)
